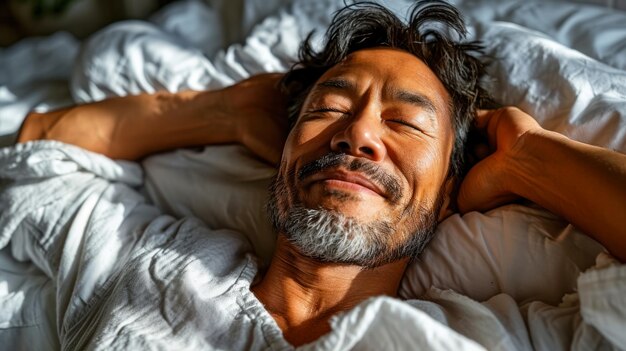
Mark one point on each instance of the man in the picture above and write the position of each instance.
(379, 119)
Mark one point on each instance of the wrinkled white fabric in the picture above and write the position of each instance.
(126, 276)
(596, 31)
(520, 260)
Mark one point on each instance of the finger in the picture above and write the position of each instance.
(483, 117)
(487, 123)
(267, 153)
(481, 151)
(471, 193)
(270, 147)
(480, 190)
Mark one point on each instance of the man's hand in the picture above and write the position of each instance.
(261, 111)
(584, 184)
(487, 184)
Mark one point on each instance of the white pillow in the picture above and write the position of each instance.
(525, 252)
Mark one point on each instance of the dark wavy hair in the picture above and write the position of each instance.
(428, 35)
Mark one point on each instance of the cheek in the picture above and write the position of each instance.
(298, 144)
(313, 130)
(429, 164)
(425, 180)
(287, 167)
(307, 140)
(292, 148)
(296, 138)
(428, 173)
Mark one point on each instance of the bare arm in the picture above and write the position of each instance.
(251, 113)
(584, 184)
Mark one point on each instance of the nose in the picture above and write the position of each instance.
(361, 137)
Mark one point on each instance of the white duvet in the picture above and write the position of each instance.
(571, 79)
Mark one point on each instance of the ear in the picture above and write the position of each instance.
(448, 207)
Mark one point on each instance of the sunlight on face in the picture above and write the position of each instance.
(370, 149)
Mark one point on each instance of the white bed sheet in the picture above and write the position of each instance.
(581, 96)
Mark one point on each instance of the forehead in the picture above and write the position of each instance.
(387, 68)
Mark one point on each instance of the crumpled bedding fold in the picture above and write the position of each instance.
(527, 278)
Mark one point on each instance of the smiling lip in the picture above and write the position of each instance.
(354, 180)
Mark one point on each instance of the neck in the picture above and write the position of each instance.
(302, 293)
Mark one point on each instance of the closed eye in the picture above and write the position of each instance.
(406, 124)
(327, 109)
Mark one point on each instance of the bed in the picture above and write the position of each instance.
(563, 63)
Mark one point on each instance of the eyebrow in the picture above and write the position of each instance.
(416, 99)
(337, 84)
(408, 97)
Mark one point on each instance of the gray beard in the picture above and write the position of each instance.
(332, 237)
(329, 236)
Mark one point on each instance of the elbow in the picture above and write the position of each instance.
(32, 128)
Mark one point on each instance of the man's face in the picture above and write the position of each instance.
(371, 148)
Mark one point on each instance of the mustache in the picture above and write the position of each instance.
(390, 184)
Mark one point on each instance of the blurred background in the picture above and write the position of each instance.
(23, 18)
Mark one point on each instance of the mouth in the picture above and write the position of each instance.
(344, 180)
